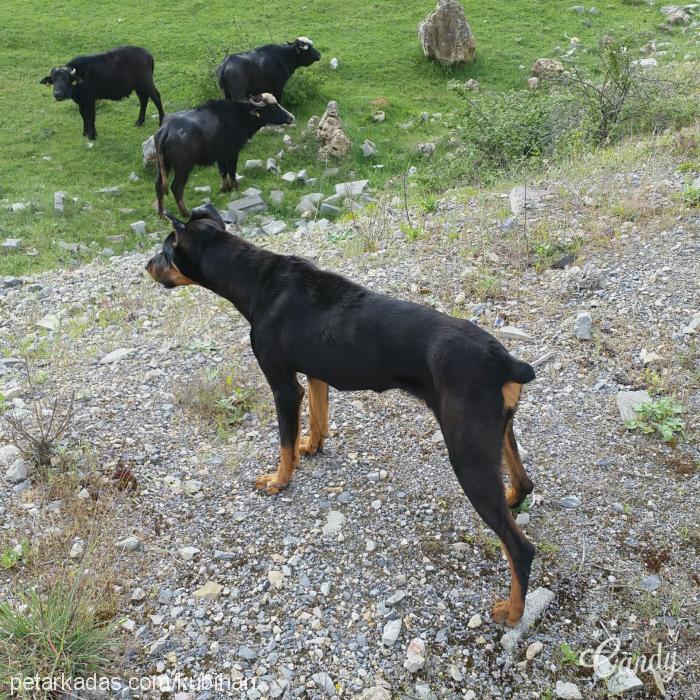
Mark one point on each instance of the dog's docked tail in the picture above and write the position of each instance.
(520, 372)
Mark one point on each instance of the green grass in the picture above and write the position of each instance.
(50, 635)
(380, 59)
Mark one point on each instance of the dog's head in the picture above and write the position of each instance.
(178, 262)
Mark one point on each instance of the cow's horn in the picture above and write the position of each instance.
(257, 102)
(268, 98)
(72, 71)
(305, 40)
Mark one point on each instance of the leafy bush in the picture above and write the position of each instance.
(658, 416)
(569, 114)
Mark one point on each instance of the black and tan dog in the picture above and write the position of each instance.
(340, 334)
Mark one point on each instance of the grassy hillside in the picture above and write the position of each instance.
(380, 57)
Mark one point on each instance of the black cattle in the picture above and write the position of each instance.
(265, 69)
(214, 132)
(112, 75)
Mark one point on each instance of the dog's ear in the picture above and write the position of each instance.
(48, 80)
(210, 212)
(179, 227)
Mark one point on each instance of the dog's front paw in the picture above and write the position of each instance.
(503, 612)
(307, 446)
(269, 484)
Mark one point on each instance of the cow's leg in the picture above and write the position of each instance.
(155, 96)
(178, 190)
(232, 163)
(90, 120)
(83, 114)
(143, 99)
(223, 171)
(161, 188)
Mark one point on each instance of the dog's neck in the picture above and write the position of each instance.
(235, 272)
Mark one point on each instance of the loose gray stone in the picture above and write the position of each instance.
(148, 148)
(415, 656)
(324, 683)
(224, 556)
(329, 210)
(369, 149)
(289, 177)
(583, 326)
(109, 190)
(253, 164)
(334, 521)
(569, 502)
(128, 544)
(274, 228)
(139, 228)
(18, 472)
(523, 519)
(391, 632)
(245, 652)
(650, 583)
(116, 355)
(12, 244)
(426, 149)
(9, 454)
(627, 401)
(536, 603)
(446, 36)
(249, 205)
(624, 681)
(59, 199)
(277, 197)
(514, 333)
(567, 691)
(351, 189)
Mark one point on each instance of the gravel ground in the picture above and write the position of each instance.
(307, 603)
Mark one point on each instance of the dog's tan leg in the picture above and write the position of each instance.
(511, 610)
(274, 483)
(290, 422)
(318, 418)
(520, 483)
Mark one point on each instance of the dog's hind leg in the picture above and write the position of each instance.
(288, 396)
(520, 483)
(474, 441)
(318, 418)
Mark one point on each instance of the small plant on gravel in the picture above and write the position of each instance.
(38, 434)
(548, 550)
(12, 556)
(220, 398)
(524, 507)
(691, 195)
(53, 634)
(658, 416)
(568, 656)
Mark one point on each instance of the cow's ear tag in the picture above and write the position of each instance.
(255, 113)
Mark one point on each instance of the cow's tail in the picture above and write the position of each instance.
(160, 143)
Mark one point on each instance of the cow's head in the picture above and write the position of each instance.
(63, 79)
(179, 261)
(304, 48)
(266, 108)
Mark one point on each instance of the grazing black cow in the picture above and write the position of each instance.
(112, 75)
(214, 132)
(265, 69)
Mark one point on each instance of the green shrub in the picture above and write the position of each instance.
(658, 416)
